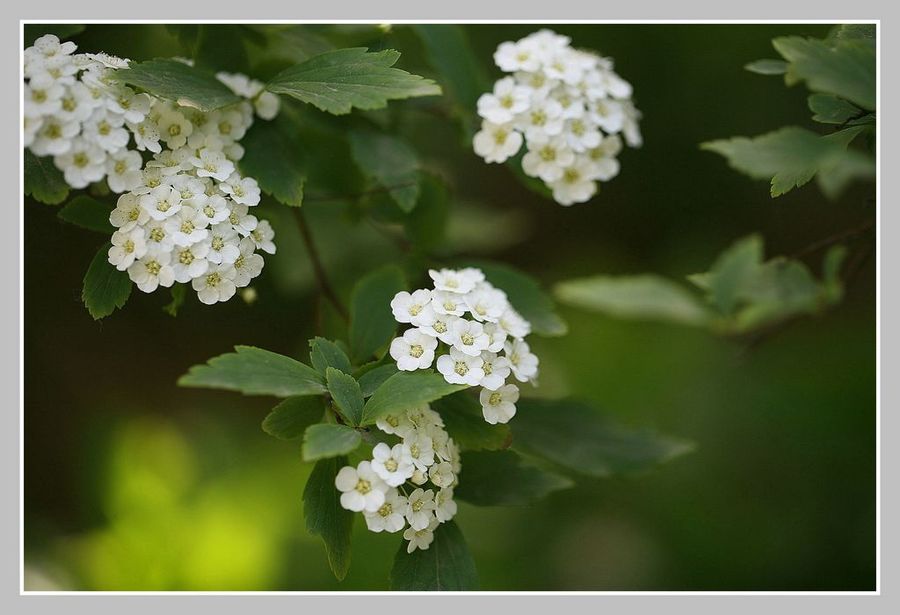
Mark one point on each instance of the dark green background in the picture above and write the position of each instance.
(133, 483)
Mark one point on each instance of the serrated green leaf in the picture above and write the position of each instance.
(464, 421)
(767, 67)
(636, 296)
(733, 270)
(290, 418)
(346, 394)
(374, 378)
(88, 213)
(273, 155)
(325, 353)
(43, 181)
(326, 517)
(324, 440)
(179, 294)
(829, 109)
(372, 323)
(254, 371)
(446, 565)
(845, 68)
(176, 81)
(406, 390)
(575, 436)
(527, 297)
(503, 478)
(337, 81)
(105, 287)
(391, 163)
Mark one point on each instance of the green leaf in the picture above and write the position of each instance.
(503, 478)
(221, 47)
(575, 436)
(346, 394)
(254, 371)
(372, 323)
(464, 421)
(326, 517)
(406, 390)
(374, 378)
(791, 156)
(845, 68)
(767, 67)
(778, 290)
(638, 296)
(290, 418)
(527, 297)
(88, 213)
(337, 81)
(325, 353)
(43, 181)
(830, 109)
(391, 163)
(732, 270)
(446, 565)
(174, 80)
(273, 155)
(179, 294)
(324, 440)
(831, 273)
(852, 31)
(105, 287)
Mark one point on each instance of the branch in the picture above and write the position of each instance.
(836, 238)
(319, 271)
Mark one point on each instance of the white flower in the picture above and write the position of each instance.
(133, 107)
(423, 417)
(106, 130)
(444, 302)
(444, 506)
(43, 96)
(420, 450)
(454, 281)
(441, 474)
(190, 262)
(107, 60)
(212, 163)
(187, 227)
(214, 209)
(496, 334)
(174, 129)
(497, 142)
(420, 539)
(248, 264)
(397, 424)
(152, 271)
(263, 235)
(242, 222)
(582, 135)
(436, 325)
(54, 137)
(420, 509)
(575, 185)
(406, 307)
(128, 213)
(548, 159)
(508, 100)
(542, 121)
(523, 364)
(513, 323)
(602, 159)
(239, 84)
(419, 477)
(414, 350)
(512, 57)
(496, 370)
(156, 236)
(243, 190)
(360, 487)
(461, 368)
(162, 202)
(224, 244)
(390, 516)
(83, 164)
(469, 337)
(151, 178)
(30, 126)
(487, 304)
(146, 136)
(216, 285)
(123, 170)
(193, 191)
(172, 163)
(267, 105)
(126, 247)
(499, 406)
(392, 464)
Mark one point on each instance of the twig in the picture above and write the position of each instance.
(319, 271)
(836, 238)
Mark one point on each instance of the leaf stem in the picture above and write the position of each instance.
(851, 233)
(318, 269)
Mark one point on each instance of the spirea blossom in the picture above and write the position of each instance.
(472, 335)
(567, 106)
(183, 210)
(408, 485)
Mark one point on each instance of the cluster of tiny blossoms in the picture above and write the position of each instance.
(407, 485)
(568, 106)
(183, 211)
(483, 333)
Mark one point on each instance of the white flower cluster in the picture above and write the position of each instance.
(484, 349)
(407, 484)
(183, 215)
(567, 105)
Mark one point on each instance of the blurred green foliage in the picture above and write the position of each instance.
(134, 483)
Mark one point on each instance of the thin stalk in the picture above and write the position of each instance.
(318, 269)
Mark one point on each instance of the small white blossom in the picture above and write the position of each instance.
(390, 516)
(126, 247)
(441, 474)
(420, 539)
(522, 362)
(414, 350)
(216, 285)
(444, 505)
(496, 370)
(497, 142)
(461, 368)
(361, 489)
(421, 452)
(152, 271)
(407, 307)
(393, 464)
(499, 406)
(420, 509)
(469, 337)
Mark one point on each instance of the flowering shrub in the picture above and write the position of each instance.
(483, 350)
(567, 105)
